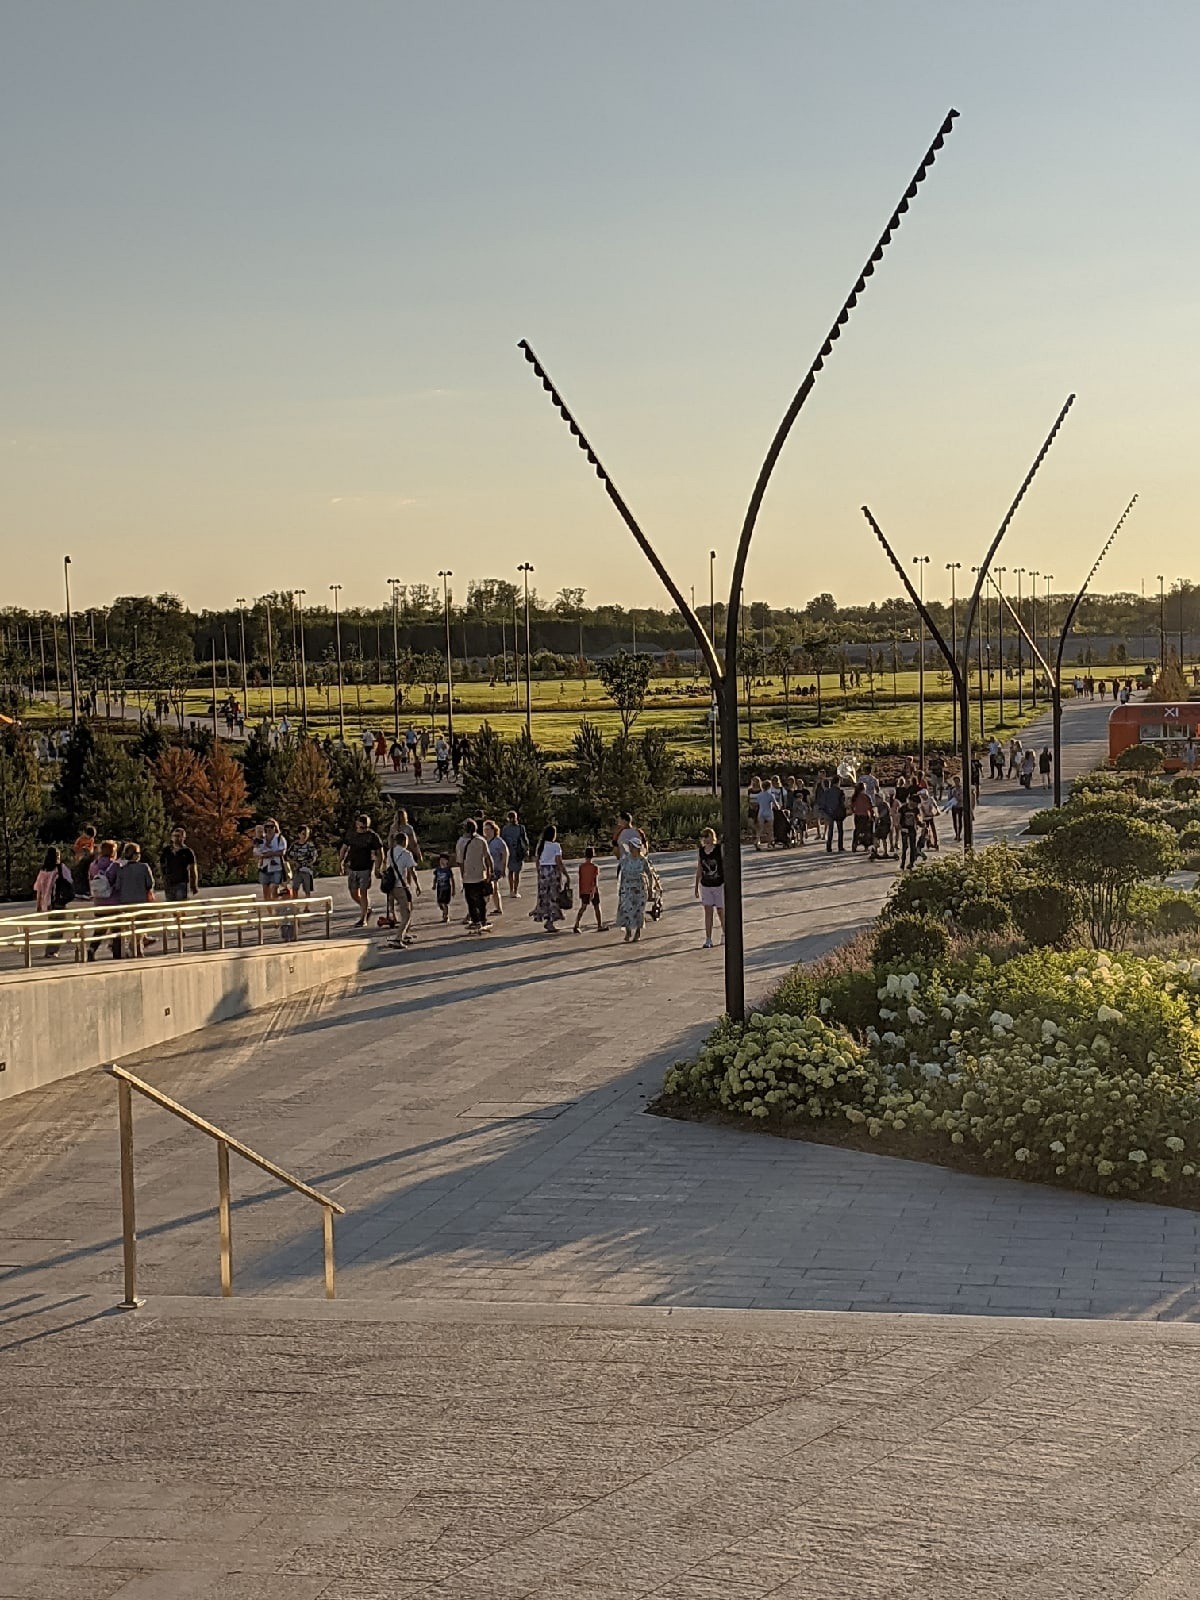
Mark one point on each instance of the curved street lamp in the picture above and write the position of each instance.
(525, 568)
(336, 589)
(445, 575)
(921, 562)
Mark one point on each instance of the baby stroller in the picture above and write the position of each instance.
(782, 824)
(654, 897)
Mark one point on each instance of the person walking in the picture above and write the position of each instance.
(441, 752)
(954, 805)
(53, 891)
(178, 866)
(361, 858)
(102, 889)
(380, 748)
(863, 812)
(976, 776)
(764, 807)
(709, 885)
(634, 881)
(589, 889)
(475, 869)
(498, 851)
(831, 806)
(443, 884)
(628, 834)
(1045, 765)
(519, 850)
(1014, 757)
(910, 822)
(552, 874)
(1027, 769)
(270, 851)
(398, 876)
(995, 758)
(135, 887)
(303, 859)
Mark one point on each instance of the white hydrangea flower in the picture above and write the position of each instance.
(1108, 1014)
(1137, 1157)
(915, 1015)
(1175, 1143)
(1057, 1146)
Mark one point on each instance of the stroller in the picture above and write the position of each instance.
(654, 897)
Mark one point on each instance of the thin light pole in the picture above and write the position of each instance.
(713, 711)
(1048, 578)
(953, 568)
(270, 659)
(241, 605)
(1020, 652)
(1180, 581)
(336, 589)
(526, 567)
(921, 562)
(303, 662)
(979, 643)
(214, 687)
(72, 667)
(1000, 571)
(445, 576)
(1162, 632)
(395, 583)
(1033, 599)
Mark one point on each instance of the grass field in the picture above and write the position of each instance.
(849, 718)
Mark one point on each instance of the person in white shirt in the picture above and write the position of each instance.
(403, 865)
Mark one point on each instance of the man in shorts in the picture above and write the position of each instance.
(178, 864)
(361, 858)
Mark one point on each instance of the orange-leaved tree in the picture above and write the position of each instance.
(218, 808)
(307, 798)
(177, 773)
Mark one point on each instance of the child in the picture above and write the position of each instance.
(443, 884)
(303, 857)
(589, 889)
(882, 830)
(416, 763)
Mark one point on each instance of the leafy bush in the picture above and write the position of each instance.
(1185, 788)
(943, 888)
(1045, 913)
(1104, 855)
(912, 941)
(984, 915)
(1078, 1068)
(1139, 758)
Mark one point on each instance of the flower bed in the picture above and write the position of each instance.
(1078, 1068)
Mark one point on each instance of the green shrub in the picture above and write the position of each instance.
(1185, 788)
(1178, 914)
(780, 1067)
(1139, 758)
(1044, 912)
(984, 915)
(1104, 855)
(911, 941)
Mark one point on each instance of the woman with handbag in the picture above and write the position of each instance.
(552, 875)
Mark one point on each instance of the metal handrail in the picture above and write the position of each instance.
(95, 923)
(126, 1084)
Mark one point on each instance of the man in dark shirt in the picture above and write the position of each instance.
(178, 865)
(361, 857)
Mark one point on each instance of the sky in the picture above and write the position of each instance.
(266, 266)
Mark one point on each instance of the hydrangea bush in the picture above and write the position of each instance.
(1080, 1068)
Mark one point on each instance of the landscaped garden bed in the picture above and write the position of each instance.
(984, 1024)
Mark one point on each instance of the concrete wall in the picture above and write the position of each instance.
(56, 1023)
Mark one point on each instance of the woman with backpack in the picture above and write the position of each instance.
(53, 891)
(102, 889)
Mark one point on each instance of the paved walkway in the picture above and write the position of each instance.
(253, 1451)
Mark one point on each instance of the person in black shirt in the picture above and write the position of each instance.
(361, 858)
(710, 883)
(178, 864)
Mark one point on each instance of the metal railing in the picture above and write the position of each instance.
(126, 1084)
(81, 929)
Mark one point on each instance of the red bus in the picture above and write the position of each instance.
(1171, 726)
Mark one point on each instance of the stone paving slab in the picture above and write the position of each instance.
(338, 1452)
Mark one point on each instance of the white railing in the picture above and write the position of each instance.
(167, 924)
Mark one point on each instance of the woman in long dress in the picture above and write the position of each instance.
(550, 876)
(634, 877)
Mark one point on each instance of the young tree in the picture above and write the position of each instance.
(178, 773)
(356, 785)
(309, 798)
(626, 679)
(22, 807)
(505, 775)
(68, 790)
(132, 807)
(1104, 855)
(219, 807)
(100, 768)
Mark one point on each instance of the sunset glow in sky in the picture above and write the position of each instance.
(266, 267)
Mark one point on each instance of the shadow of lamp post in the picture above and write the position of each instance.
(723, 669)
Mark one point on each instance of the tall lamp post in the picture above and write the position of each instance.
(395, 583)
(241, 605)
(1162, 628)
(1033, 599)
(1000, 571)
(73, 665)
(1020, 652)
(300, 593)
(1048, 579)
(979, 644)
(335, 590)
(1180, 581)
(921, 562)
(714, 715)
(953, 568)
(526, 567)
(445, 575)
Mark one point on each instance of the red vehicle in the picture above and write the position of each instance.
(1171, 726)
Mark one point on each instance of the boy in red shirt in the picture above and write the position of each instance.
(589, 889)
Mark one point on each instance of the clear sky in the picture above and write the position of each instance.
(266, 264)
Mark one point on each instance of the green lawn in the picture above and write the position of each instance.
(848, 717)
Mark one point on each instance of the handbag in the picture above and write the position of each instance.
(566, 895)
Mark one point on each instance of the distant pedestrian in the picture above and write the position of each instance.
(53, 892)
(709, 884)
(1045, 765)
(443, 884)
(102, 888)
(178, 865)
(361, 858)
(135, 887)
(519, 850)
(498, 851)
(475, 869)
(270, 851)
(303, 859)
